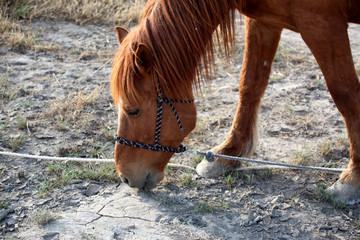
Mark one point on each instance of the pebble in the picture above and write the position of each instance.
(278, 199)
(70, 74)
(43, 136)
(72, 203)
(3, 214)
(43, 202)
(51, 236)
(92, 189)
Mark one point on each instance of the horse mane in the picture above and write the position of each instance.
(180, 37)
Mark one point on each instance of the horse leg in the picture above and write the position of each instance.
(328, 40)
(261, 42)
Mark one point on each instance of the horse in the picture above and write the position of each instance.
(162, 60)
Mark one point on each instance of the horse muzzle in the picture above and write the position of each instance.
(149, 181)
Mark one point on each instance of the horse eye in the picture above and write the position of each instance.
(133, 112)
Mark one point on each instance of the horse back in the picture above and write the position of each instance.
(285, 13)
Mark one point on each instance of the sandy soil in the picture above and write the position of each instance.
(299, 124)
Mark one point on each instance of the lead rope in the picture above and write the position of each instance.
(210, 156)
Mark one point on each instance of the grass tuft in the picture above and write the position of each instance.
(196, 159)
(4, 204)
(186, 180)
(230, 179)
(15, 143)
(205, 207)
(6, 94)
(45, 217)
(303, 157)
(21, 122)
(61, 174)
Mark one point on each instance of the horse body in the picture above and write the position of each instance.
(173, 63)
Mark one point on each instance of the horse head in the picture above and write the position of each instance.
(151, 125)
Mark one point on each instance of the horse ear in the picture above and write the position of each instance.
(121, 33)
(143, 58)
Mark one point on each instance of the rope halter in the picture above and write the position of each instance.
(157, 146)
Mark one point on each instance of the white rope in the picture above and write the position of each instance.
(268, 165)
(19, 155)
(262, 167)
(210, 156)
(175, 165)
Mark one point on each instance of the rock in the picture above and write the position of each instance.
(21, 92)
(72, 203)
(51, 236)
(70, 74)
(92, 189)
(21, 173)
(21, 61)
(44, 136)
(3, 214)
(277, 200)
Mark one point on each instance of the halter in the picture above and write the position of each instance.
(157, 146)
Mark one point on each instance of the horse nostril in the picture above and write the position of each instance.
(124, 180)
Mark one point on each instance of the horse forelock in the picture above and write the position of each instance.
(123, 74)
(180, 37)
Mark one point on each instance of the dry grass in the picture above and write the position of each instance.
(16, 17)
(304, 157)
(70, 108)
(80, 11)
(325, 147)
(12, 33)
(44, 217)
(6, 93)
(20, 36)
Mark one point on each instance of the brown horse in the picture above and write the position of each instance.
(160, 60)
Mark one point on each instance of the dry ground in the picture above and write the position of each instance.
(55, 100)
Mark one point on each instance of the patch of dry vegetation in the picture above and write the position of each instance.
(13, 34)
(6, 92)
(16, 17)
(71, 107)
(20, 36)
(80, 11)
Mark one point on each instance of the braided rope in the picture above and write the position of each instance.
(158, 120)
(179, 100)
(157, 146)
(166, 100)
(152, 147)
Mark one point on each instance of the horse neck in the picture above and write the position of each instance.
(180, 34)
